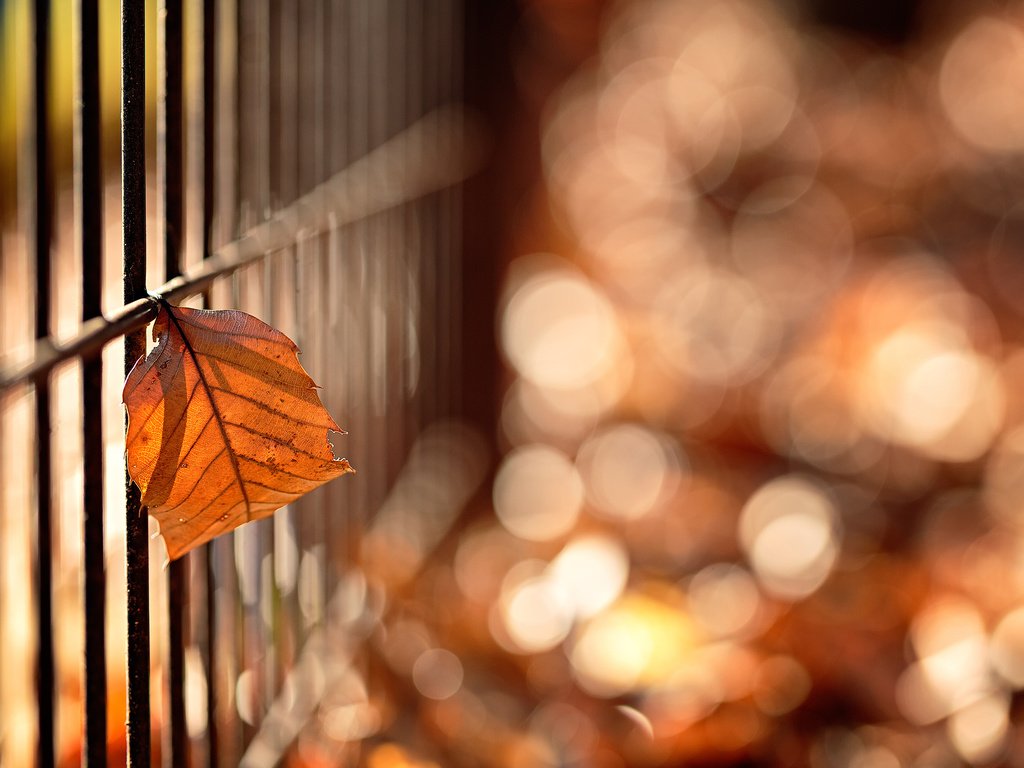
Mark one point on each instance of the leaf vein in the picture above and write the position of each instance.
(181, 416)
(213, 405)
(293, 494)
(279, 469)
(276, 439)
(156, 407)
(142, 377)
(269, 340)
(257, 371)
(195, 440)
(199, 479)
(268, 409)
(186, 521)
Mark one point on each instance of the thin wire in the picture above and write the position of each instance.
(379, 181)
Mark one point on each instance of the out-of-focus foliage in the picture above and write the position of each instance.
(760, 495)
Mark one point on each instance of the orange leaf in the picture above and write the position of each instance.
(224, 425)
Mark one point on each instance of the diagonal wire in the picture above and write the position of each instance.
(398, 171)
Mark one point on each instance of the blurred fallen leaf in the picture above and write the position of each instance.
(224, 425)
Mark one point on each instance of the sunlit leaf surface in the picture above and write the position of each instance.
(224, 425)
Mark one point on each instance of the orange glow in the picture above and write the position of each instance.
(628, 470)
(538, 493)
(978, 85)
(559, 331)
(637, 642)
(789, 531)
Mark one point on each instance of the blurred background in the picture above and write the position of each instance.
(738, 468)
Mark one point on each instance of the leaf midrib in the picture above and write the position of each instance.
(213, 405)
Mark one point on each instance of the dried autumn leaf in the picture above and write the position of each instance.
(224, 425)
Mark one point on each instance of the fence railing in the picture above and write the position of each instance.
(308, 174)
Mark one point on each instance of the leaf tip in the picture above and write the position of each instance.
(174, 549)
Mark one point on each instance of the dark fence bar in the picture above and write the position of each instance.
(42, 226)
(133, 212)
(172, 139)
(171, 162)
(209, 109)
(89, 203)
(177, 755)
(44, 578)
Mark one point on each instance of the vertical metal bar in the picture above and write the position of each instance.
(392, 301)
(133, 214)
(292, 523)
(209, 179)
(375, 238)
(445, 299)
(458, 208)
(42, 226)
(315, 321)
(171, 143)
(212, 662)
(209, 120)
(336, 61)
(484, 39)
(286, 149)
(336, 69)
(357, 272)
(241, 732)
(452, 212)
(413, 68)
(45, 678)
(243, 137)
(265, 615)
(89, 194)
(177, 755)
(426, 275)
(171, 161)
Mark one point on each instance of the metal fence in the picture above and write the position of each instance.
(306, 169)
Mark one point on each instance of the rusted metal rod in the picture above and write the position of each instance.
(133, 215)
(89, 203)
